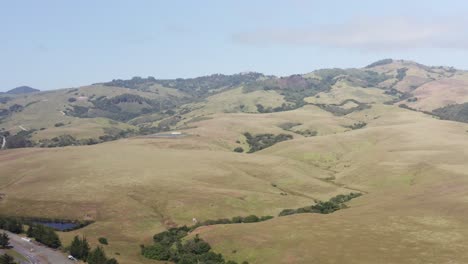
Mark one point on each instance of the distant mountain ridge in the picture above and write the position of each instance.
(22, 90)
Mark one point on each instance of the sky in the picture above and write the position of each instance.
(63, 43)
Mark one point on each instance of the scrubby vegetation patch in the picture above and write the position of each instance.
(334, 204)
(261, 141)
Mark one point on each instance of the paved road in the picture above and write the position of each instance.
(36, 253)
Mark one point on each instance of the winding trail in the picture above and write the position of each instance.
(36, 253)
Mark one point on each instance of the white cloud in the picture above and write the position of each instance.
(377, 33)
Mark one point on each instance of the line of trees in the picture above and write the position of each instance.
(234, 220)
(334, 204)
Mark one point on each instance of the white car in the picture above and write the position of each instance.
(70, 257)
(27, 239)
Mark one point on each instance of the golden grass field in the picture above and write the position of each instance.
(411, 167)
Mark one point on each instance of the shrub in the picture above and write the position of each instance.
(239, 150)
(103, 240)
(251, 219)
(357, 125)
(401, 73)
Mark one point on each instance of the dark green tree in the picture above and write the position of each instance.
(97, 256)
(7, 259)
(239, 150)
(103, 240)
(4, 240)
(79, 248)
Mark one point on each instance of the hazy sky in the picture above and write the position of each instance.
(55, 44)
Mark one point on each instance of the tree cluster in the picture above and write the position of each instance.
(357, 125)
(44, 235)
(168, 246)
(11, 224)
(261, 141)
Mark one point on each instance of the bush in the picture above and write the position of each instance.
(59, 124)
(168, 245)
(239, 150)
(251, 219)
(103, 241)
(72, 99)
(401, 73)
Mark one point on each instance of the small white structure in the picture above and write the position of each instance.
(194, 220)
(27, 239)
(176, 133)
(70, 257)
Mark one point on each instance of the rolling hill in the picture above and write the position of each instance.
(395, 131)
(22, 90)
